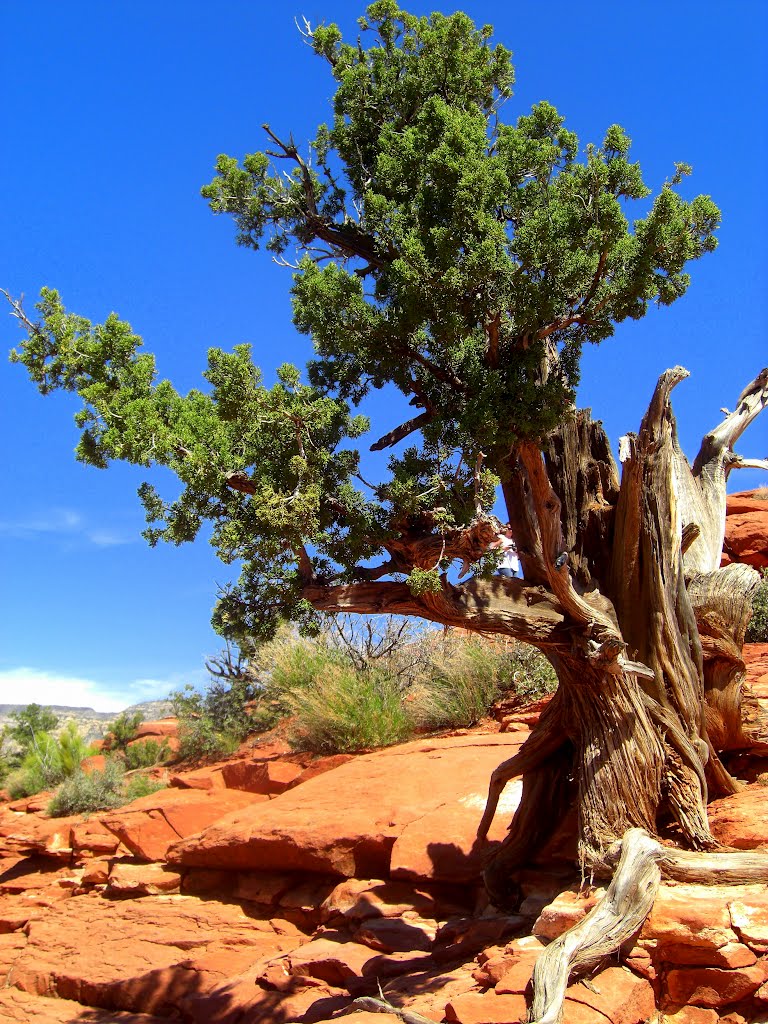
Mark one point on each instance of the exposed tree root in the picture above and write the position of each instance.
(621, 912)
(615, 919)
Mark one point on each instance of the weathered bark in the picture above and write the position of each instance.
(624, 593)
(620, 914)
(639, 686)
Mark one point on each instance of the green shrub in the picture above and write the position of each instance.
(532, 676)
(343, 709)
(140, 785)
(91, 791)
(201, 740)
(757, 630)
(146, 754)
(124, 728)
(465, 677)
(212, 724)
(85, 793)
(48, 761)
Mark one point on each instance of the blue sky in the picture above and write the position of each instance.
(113, 116)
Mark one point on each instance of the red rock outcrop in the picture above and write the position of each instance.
(746, 528)
(368, 816)
(293, 893)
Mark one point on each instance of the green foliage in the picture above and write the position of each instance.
(463, 258)
(146, 754)
(343, 709)
(464, 678)
(424, 581)
(757, 630)
(139, 785)
(341, 695)
(84, 792)
(87, 792)
(201, 735)
(48, 761)
(124, 728)
(28, 722)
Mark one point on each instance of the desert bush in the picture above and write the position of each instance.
(464, 677)
(48, 761)
(146, 754)
(343, 709)
(85, 793)
(124, 728)
(757, 630)
(139, 785)
(201, 737)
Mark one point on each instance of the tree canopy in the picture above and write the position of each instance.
(435, 245)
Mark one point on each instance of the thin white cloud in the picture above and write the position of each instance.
(26, 685)
(67, 524)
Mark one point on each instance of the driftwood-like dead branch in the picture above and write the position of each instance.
(622, 911)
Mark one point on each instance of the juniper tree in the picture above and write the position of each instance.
(464, 258)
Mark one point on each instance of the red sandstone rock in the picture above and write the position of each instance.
(691, 915)
(746, 530)
(397, 934)
(94, 763)
(366, 1017)
(311, 829)
(486, 1008)
(331, 959)
(90, 838)
(713, 986)
(741, 820)
(206, 778)
(267, 777)
(150, 824)
(319, 766)
(358, 899)
(616, 994)
(30, 834)
(140, 955)
(242, 1000)
(692, 1015)
(131, 879)
(159, 729)
(749, 917)
(18, 1007)
(566, 910)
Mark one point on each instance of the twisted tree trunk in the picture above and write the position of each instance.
(650, 683)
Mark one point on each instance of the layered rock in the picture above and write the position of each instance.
(280, 888)
(746, 528)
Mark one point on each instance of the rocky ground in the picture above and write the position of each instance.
(278, 887)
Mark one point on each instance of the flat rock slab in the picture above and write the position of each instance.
(349, 821)
(18, 1007)
(141, 955)
(149, 825)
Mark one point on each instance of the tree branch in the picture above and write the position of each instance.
(348, 238)
(391, 438)
(507, 607)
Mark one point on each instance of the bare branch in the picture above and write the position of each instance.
(391, 438)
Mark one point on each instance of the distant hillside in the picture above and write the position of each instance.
(92, 724)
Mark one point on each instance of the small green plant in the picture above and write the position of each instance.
(84, 792)
(87, 792)
(124, 728)
(201, 737)
(146, 754)
(48, 761)
(343, 709)
(465, 677)
(140, 785)
(757, 630)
